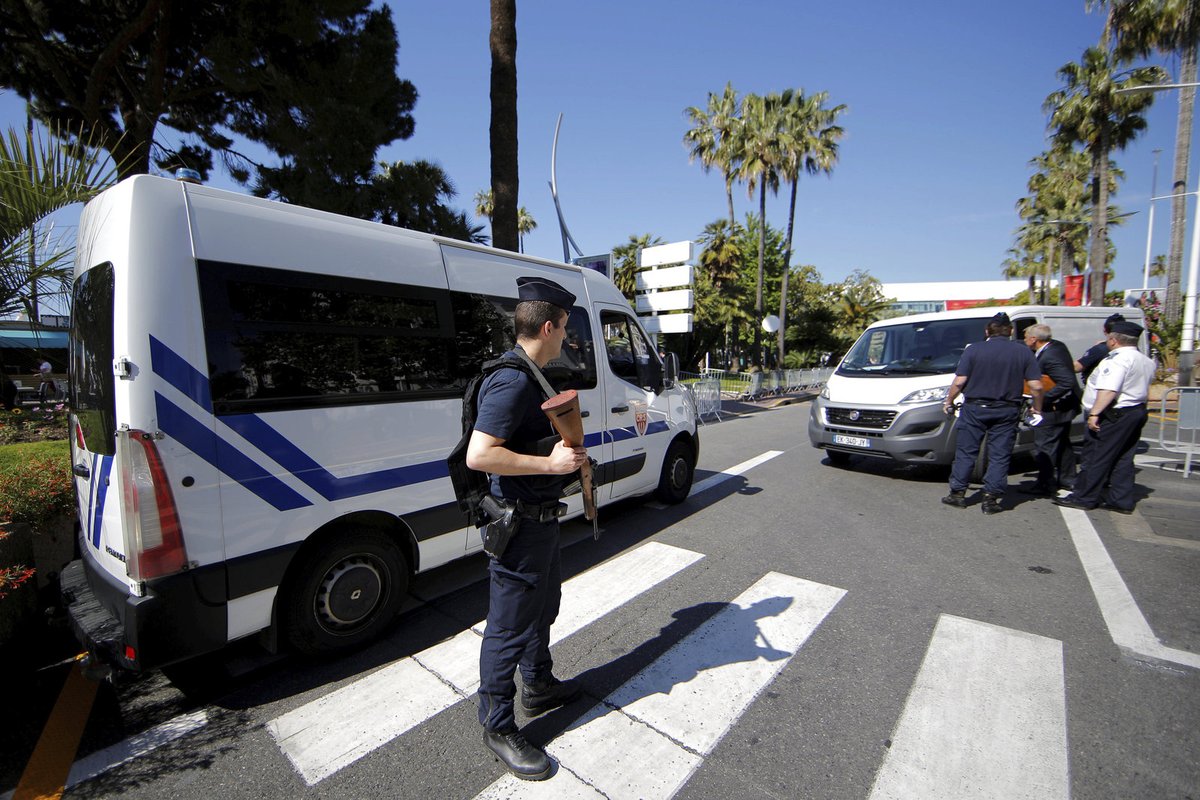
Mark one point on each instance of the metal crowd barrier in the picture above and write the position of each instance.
(1179, 434)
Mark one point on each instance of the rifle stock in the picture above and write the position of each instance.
(563, 412)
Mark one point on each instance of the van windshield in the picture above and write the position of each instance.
(912, 348)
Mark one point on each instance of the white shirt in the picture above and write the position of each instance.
(1124, 371)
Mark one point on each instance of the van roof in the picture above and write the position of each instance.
(1097, 312)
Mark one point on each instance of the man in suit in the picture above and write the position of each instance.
(1053, 453)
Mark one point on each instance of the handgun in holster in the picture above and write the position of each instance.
(501, 525)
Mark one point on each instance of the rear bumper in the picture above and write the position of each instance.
(171, 622)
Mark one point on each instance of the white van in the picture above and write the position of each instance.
(884, 399)
(262, 400)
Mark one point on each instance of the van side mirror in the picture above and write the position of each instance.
(670, 370)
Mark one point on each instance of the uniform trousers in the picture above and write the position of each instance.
(1108, 458)
(999, 424)
(526, 590)
(1053, 454)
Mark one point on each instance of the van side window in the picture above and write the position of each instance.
(91, 386)
(484, 330)
(625, 344)
(279, 339)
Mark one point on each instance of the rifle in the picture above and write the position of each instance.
(563, 412)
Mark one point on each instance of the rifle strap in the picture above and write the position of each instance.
(537, 372)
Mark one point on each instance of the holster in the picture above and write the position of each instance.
(498, 531)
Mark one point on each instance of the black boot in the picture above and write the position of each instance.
(523, 760)
(956, 498)
(991, 504)
(538, 698)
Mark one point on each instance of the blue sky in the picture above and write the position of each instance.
(945, 112)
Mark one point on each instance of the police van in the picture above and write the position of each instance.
(884, 399)
(262, 401)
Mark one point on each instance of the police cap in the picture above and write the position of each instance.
(1000, 319)
(546, 290)
(1127, 328)
(1112, 320)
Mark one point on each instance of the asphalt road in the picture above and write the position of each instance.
(896, 648)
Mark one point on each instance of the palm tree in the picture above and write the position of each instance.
(485, 206)
(860, 303)
(1087, 111)
(1169, 27)
(38, 177)
(811, 146)
(525, 224)
(1056, 208)
(761, 158)
(712, 139)
(718, 298)
(503, 136)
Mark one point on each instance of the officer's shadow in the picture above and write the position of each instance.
(716, 634)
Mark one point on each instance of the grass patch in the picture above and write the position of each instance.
(13, 454)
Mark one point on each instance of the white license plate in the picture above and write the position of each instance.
(853, 441)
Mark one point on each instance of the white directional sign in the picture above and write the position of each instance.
(665, 278)
(678, 300)
(667, 323)
(673, 253)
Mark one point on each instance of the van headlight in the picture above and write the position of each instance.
(825, 392)
(927, 395)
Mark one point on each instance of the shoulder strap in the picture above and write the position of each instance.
(536, 372)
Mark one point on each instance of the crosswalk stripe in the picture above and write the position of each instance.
(986, 718)
(734, 471)
(333, 731)
(647, 738)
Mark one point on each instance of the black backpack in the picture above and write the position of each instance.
(471, 485)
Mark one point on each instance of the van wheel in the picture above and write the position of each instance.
(345, 592)
(677, 473)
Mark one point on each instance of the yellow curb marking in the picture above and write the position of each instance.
(45, 776)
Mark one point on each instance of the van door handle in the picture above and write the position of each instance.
(585, 413)
(619, 409)
(81, 470)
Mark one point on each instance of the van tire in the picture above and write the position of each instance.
(344, 592)
(678, 471)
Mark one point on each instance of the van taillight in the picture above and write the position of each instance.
(153, 538)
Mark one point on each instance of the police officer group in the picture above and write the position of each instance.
(996, 375)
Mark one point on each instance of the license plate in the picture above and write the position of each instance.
(853, 441)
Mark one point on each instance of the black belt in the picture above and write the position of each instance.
(995, 403)
(539, 512)
(1116, 413)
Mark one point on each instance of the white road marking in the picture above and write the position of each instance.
(733, 472)
(986, 718)
(647, 738)
(102, 761)
(1126, 624)
(333, 731)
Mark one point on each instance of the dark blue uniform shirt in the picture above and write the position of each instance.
(510, 408)
(1093, 356)
(997, 369)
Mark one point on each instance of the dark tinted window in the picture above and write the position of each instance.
(91, 357)
(279, 339)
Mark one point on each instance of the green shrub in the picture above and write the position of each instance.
(36, 490)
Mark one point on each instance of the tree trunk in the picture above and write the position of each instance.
(1183, 140)
(1048, 273)
(758, 297)
(1098, 252)
(729, 198)
(787, 268)
(505, 176)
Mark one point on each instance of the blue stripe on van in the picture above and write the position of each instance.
(180, 374)
(254, 430)
(176, 423)
(101, 487)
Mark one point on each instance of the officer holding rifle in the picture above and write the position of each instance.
(512, 442)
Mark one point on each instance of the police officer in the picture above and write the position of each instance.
(1097, 352)
(510, 441)
(1115, 399)
(991, 375)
